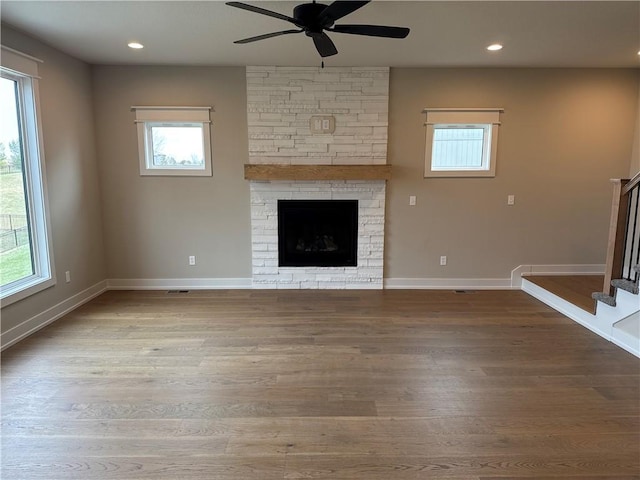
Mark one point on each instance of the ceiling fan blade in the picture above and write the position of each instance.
(269, 13)
(372, 30)
(324, 45)
(339, 9)
(267, 35)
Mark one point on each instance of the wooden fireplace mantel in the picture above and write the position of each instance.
(316, 172)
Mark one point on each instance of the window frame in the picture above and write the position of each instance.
(23, 69)
(486, 118)
(148, 117)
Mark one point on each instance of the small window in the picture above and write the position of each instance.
(26, 265)
(174, 140)
(461, 143)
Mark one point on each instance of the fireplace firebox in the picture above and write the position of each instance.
(317, 233)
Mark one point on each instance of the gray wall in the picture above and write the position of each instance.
(564, 134)
(72, 176)
(153, 224)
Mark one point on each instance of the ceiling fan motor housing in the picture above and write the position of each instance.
(308, 14)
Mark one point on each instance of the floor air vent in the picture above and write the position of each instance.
(177, 291)
(464, 291)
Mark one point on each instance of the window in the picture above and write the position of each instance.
(25, 248)
(461, 142)
(174, 140)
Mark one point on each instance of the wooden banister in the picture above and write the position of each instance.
(617, 223)
(631, 183)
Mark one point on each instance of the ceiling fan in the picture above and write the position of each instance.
(314, 18)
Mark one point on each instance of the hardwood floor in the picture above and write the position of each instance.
(339, 385)
(576, 289)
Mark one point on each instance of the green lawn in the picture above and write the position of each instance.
(15, 263)
(12, 194)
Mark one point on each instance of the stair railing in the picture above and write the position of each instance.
(623, 248)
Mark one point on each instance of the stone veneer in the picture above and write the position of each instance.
(264, 234)
(282, 100)
(280, 104)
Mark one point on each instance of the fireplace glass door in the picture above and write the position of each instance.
(317, 233)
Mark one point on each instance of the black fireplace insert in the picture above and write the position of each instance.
(317, 233)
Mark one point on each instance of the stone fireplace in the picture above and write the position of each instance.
(287, 110)
(267, 273)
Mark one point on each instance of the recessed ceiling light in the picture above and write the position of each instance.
(135, 45)
(495, 47)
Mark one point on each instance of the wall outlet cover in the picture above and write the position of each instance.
(322, 124)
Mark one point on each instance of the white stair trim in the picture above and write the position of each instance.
(568, 309)
(627, 340)
(603, 322)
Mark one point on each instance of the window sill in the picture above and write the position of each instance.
(25, 289)
(459, 174)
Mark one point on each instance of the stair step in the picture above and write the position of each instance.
(626, 333)
(604, 298)
(627, 285)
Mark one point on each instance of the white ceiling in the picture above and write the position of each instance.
(446, 33)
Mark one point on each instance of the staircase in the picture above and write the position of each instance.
(618, 302)
(617, 311)
(619, 284)
(618, 322)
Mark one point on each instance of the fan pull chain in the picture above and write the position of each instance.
(322, 64)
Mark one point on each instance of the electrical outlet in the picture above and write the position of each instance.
(67, 276)
(443, 260)
(412, 200)
(511, 200)
(192, 259)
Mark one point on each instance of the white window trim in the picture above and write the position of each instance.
(488, 118)
(147, 117)
(16, 65)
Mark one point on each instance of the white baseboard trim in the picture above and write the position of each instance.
(178, 283)
(587, 269)
(50, 315)
(448, 283)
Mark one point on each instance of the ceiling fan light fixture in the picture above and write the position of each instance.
(135, 45)
(494, 47)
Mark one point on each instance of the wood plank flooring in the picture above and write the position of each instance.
(576, 289)
(340, 385)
